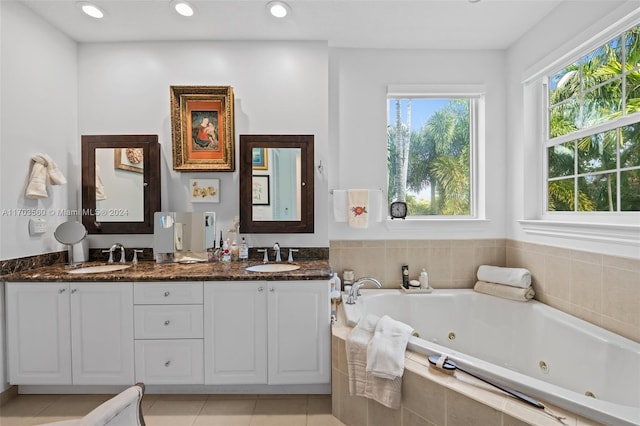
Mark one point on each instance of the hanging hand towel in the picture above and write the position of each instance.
(340, 205)
(358, 208)
(37, 187)
(386, 350)
(55, 175)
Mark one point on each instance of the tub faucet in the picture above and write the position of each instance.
(355, 289)
(114, 248)
(276, 248)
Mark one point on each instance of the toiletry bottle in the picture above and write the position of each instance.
(405, 276)
(221, 240)
(244, 250)
(424, 279)
(226, 254)
(235, 251)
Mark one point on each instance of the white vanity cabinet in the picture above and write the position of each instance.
(169, 332)
(70, 333)
(274, 332)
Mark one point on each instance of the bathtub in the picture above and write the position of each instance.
(528, 346)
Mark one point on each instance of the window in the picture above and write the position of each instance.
(592, 141)
(430, 153)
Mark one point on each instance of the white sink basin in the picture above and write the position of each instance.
(98, 269)
(273, 267)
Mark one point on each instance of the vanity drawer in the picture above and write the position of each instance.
(169, 293)
(179, 361)
(168, 321)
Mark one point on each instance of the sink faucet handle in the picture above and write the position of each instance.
(110, 255)
(122, 257)
(265, 259)
(276, 247)
(135, 255)
(290, 259)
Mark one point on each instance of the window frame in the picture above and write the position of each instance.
(547, 142)
(476, 94)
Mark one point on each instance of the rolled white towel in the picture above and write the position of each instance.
(505, 291)
(516, 277)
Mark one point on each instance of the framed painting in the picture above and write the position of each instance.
(259, 158)
(131, 159)
(260, 190)
(202, 128)
(205, 190)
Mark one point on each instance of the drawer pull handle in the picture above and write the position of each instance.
(74, 290)
(260, 289)
(167, 322)
(272, 289)
(166, 294)
(62, 290)
(166, 364)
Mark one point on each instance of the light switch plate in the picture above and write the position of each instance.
(37, 226)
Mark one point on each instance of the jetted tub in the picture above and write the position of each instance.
(528, 346)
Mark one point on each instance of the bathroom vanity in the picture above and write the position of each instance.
(214, 327)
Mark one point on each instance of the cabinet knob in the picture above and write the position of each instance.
(260, 289)
(167, 322)
(166, 364)
(166, 294)
(272, 289)
(61, 290)
(73, 290)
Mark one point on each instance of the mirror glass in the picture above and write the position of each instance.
(276, 183)
(120, 183)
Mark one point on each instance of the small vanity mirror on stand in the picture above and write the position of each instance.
(70, 233)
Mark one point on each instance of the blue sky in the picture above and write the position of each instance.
(421, 110)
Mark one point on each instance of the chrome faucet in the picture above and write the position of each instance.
(276, 248)
(114, 248)
(355, 289)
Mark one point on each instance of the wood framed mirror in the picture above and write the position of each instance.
(276, 184)
(120, 183)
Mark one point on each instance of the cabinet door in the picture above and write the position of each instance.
(38, 333)
(102, 333)
(235, 332)
(299, 332)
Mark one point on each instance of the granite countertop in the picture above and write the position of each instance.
(151, 271)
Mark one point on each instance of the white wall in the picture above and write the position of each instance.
(564, 29)
(280, 88)
(39, 114)
(358, 90)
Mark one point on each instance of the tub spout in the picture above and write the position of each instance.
(355, 288)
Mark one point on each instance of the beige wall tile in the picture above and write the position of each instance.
(586, 285)
(423, 397)
(409, 418)
(463, 411)
(622, 263)
(379, 415)
(621, 295)
(557, 277)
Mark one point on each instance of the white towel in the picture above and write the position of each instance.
(37, 186)
(505, 291)
(516, 277)
(356, 346)
(100, 194)
(358, 208)
(340, 205)
(362, 383)
(385, 352)
(55, 175)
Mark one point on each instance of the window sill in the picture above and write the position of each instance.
(420, 223)
(600, 232)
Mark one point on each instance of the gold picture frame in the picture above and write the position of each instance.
(130, 159)
(202, 128)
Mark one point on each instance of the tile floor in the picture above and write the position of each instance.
(181, 410)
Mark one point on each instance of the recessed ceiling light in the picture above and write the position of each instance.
(91, 10)
(183, 8)
(278, 9)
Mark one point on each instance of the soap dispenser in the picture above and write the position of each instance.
(424, 280)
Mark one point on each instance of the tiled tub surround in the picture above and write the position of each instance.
(433, 398)
(601, 289)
